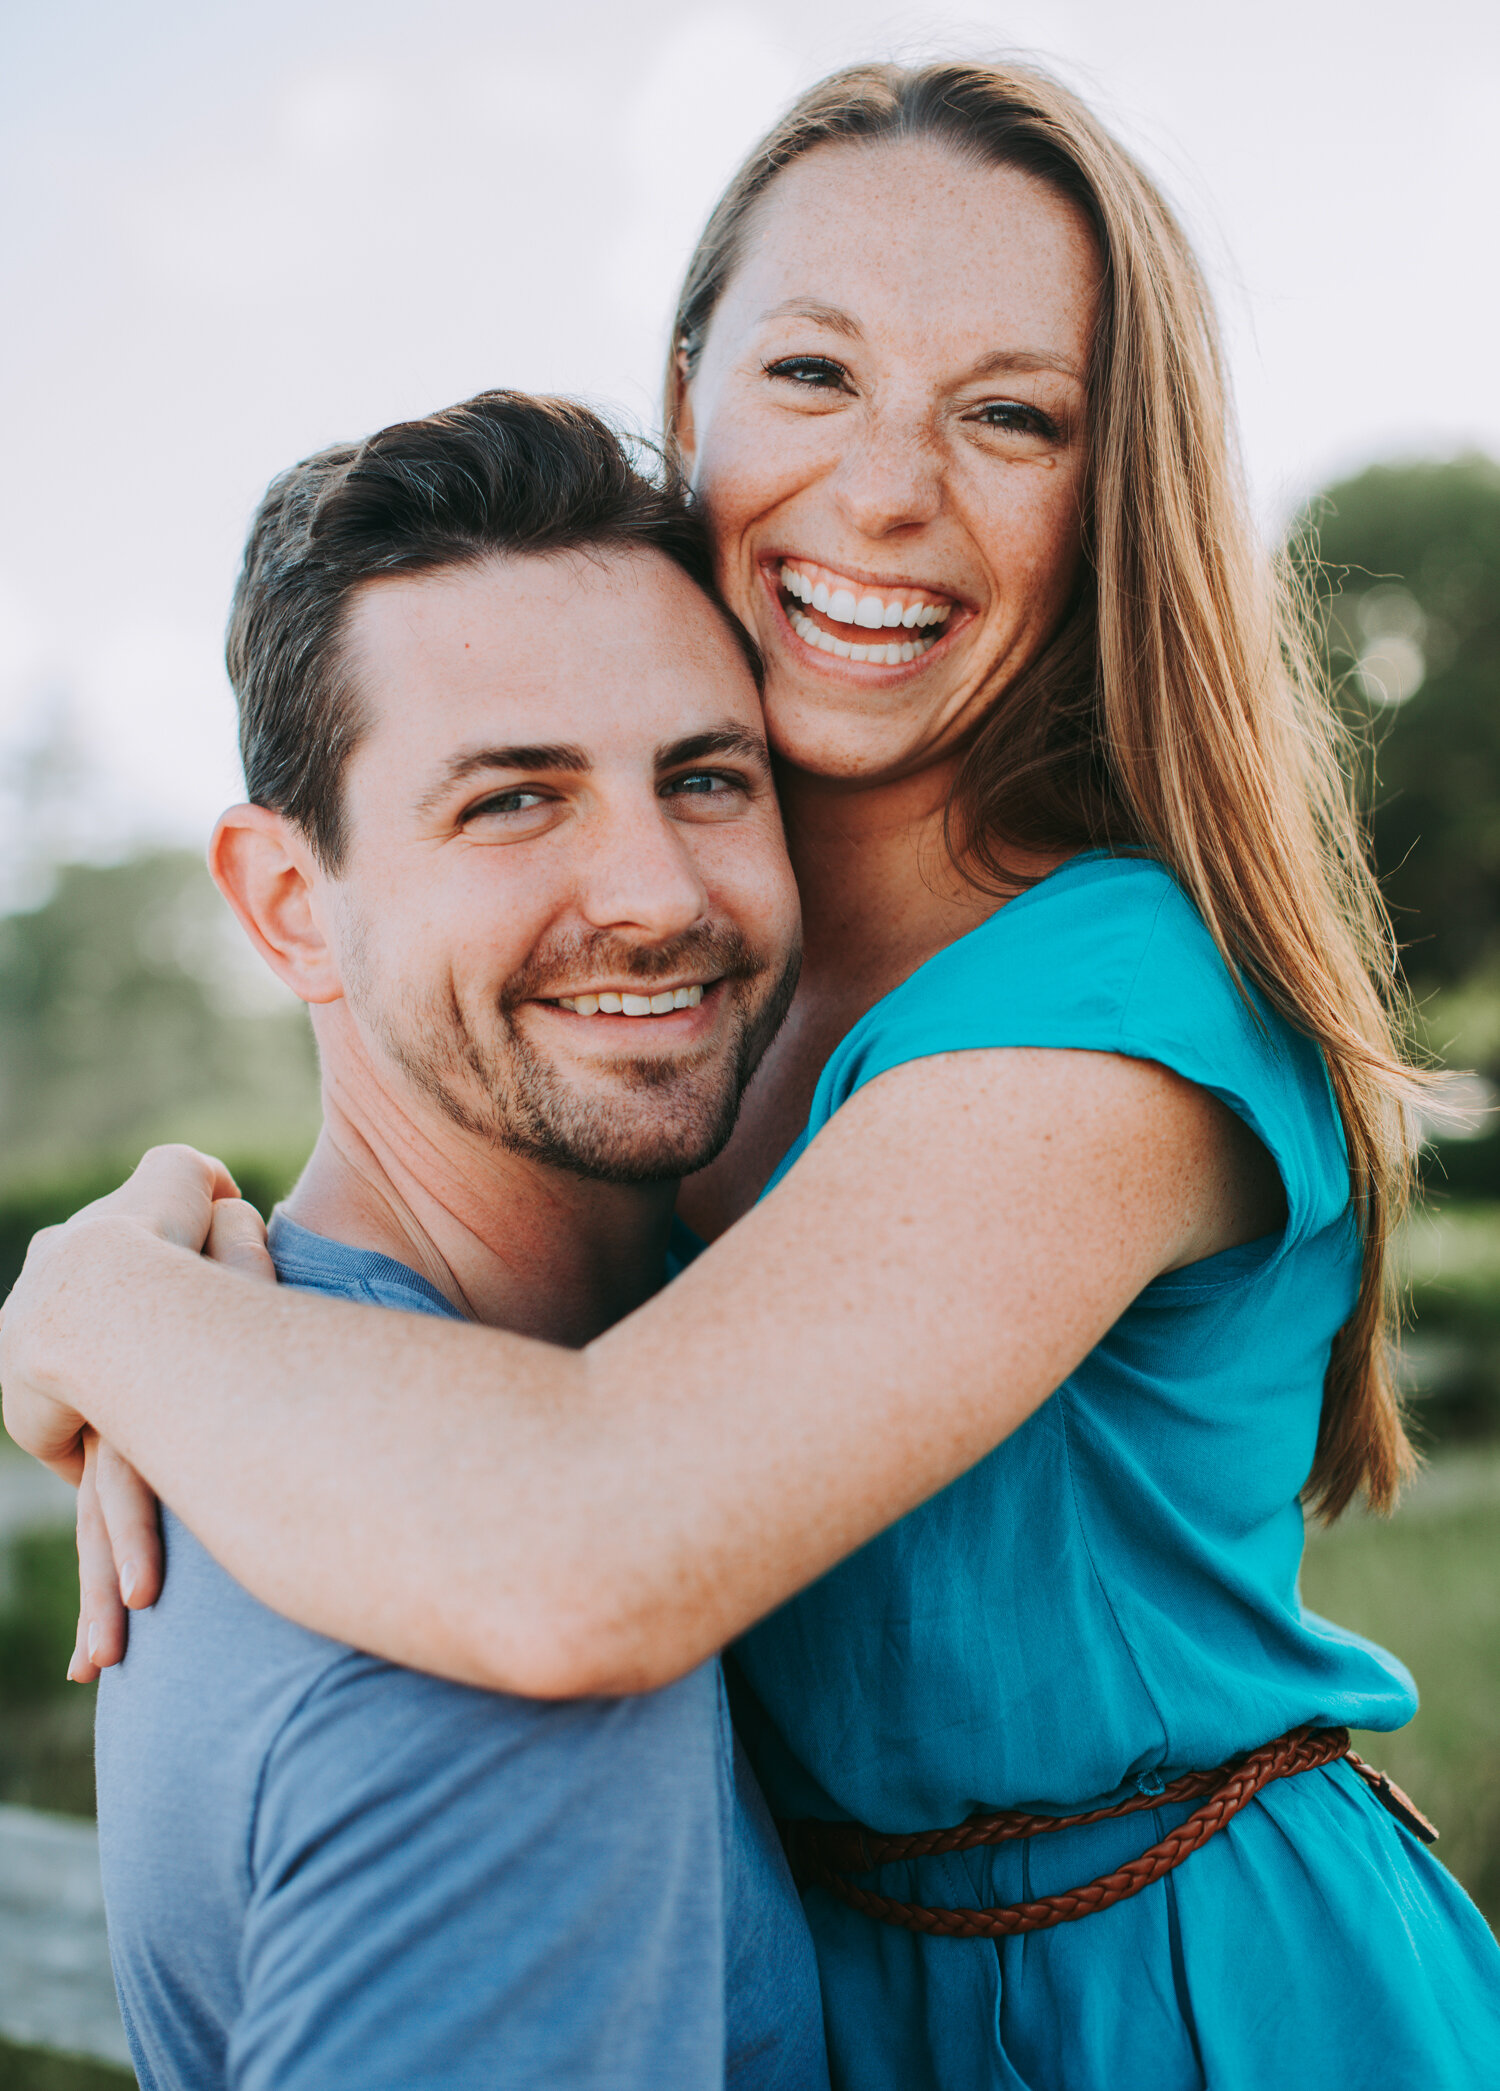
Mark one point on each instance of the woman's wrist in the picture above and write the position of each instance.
(56, 1327)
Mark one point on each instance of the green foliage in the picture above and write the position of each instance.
(1412, 553)
(1450, 1254)
(46, 1724)
(38, 1618)
(26, 2069)
(131, 1012)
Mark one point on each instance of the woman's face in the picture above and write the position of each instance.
(887, 428)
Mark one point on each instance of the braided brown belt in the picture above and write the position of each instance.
(825, 1853)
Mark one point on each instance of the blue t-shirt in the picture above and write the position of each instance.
(323, 1870)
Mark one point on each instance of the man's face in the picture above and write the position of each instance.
(563, 798)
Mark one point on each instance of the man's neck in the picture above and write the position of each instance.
(509, 1241)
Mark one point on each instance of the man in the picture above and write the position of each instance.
(512, 838)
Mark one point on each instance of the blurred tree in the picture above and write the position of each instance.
(132, 1011)
(1411, 608)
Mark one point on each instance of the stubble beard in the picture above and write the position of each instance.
(659, 1117)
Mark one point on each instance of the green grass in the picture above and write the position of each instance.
(27, 2069)
(1426, 1585)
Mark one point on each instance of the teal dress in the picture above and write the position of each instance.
(1110, 1598)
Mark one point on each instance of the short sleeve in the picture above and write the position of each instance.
(455, 1888)
(1109, 955)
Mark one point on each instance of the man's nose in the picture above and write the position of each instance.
(891, 478)
(639, 875)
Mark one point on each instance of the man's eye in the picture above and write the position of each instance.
(819, 373)
(502, 802)
(699, 784)
(1016, 417)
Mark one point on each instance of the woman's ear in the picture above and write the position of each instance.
(265, 869)
(684, 433)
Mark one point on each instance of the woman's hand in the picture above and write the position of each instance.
(119, 1537)
(172, 1196)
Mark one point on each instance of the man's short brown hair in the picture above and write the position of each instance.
(502, 473)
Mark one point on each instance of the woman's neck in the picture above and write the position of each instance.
(880, 892)
(880, 895)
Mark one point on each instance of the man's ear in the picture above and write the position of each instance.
(265, 869)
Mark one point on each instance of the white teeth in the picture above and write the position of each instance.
(662, 1004)
(870, 611)
(892, 655)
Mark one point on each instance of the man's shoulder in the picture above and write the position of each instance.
(317, 1263)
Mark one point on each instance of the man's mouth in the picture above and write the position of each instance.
(888, 625)
(607, 1002)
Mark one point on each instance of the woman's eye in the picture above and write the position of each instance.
(819, 373)
(1014, 416)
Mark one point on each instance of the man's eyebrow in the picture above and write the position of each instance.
(822, 315)
(720, 740)
(1018, 362)
(470, 762)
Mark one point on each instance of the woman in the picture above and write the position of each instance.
(1087, 1139)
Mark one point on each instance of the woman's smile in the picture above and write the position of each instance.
(880, 624)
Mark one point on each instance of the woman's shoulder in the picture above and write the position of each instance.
(1109, 954)
(1086, 957)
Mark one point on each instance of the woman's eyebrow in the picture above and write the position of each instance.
(822, 315)
(1017, 362)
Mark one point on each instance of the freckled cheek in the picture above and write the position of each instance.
(1032, 552)
(748, 473)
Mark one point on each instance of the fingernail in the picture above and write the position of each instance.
(72, 1659)
(93, 1642)
(127, 1580)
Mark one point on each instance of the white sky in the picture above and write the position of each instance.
(235, 232)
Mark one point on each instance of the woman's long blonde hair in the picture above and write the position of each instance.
(1180, 708)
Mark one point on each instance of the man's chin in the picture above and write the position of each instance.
(658, 1126)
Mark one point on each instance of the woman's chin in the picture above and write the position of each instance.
(841, 736)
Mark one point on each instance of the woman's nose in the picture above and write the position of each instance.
(891, 478)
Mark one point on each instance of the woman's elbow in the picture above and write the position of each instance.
(572, 1651)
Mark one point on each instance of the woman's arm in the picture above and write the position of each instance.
(552, 1522)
